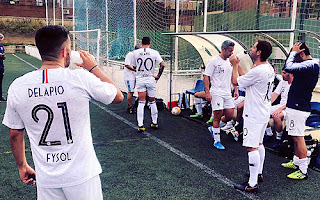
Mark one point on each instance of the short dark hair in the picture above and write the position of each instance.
(226, 44)
(306, 49)
(265, 48)
(49, 40)
(146, 40)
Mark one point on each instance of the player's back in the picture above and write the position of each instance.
(145, 60)
(53, 106)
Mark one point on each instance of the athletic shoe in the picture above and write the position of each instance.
(155, 126)
(227, 126)
(276, 144)
(289, 165)
(234, 133)
(196, 116)
(141, 129)
(218, 145)
(210, 130)
(260, 176)
(210, 121)
(298, 175)
(245, 187)
(130, 110)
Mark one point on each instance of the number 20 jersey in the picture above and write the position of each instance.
(53, 106)
(145, 60)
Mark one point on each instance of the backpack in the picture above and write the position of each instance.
(160, 104)
(286, 148)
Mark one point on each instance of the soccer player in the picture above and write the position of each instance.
(52, 105)
(2, 58)
(298, 105)
(130, 77)
(218, 72)
(258, 83)
(278, 112)
(145, 60)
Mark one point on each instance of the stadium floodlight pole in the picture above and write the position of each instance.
(47, 14)
(176, 39)
(54, 11)
(135, 22)
(62, 17)
(293, 22)
(205, 15)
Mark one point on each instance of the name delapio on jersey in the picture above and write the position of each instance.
(47, 91)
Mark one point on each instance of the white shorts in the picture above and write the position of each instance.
(296, 121)
(274, 108)
(253, 133)
(89, 190)
(130, 84)
(147, 84)
(238, 100)
(220, 103)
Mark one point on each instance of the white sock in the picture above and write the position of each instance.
(262, 153)
(154, 112)
(254, 165)
(140, 112)
(296, 160)
(236, 124)
(279, 135)
(216, 134)
(269, 131)
(198, 105)
(303, 165)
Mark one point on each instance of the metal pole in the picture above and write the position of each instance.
(98, 46)
(47, 14)
(62, 16)
(258, 13)
(73, 20)
(170, 75)
(135, 22)
(176, 39)
(54, 11)
(205, 13)
(293, 22)
(301, 36)
(107, 31)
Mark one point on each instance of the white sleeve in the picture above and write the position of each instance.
(209, 69)
(248, 79)
(279, 87)
(11, 117)
(98, 90)
(128, 59)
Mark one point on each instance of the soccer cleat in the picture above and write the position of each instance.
(245, 187)
(234, 133)
(276, 144)
(260, 176)
(218, 145)
(141, 129)
(289, 165)
(227, 126)
(298, 175)
(155, 126)
(196, 116)
(210, 121)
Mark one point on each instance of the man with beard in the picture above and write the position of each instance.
(52, 105)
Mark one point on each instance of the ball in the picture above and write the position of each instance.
(75, 58)
(176, 111)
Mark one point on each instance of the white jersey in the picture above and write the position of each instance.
(220, 72)
(283, 89)
(145, 59)
(53, 106)
(129, 74)
(258, 83)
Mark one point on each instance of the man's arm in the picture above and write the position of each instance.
(18, 149)
(161, 69)
(206, 81)
(130, 67)
(90, 64)
(274, 96)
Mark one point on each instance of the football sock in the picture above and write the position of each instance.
(154, 112)
(198, 105)
(269, 131)
(140, 112)
(262, 153)
(303, 165)
(296, 160)
(216, 134)
(254, 165)
(279, 135)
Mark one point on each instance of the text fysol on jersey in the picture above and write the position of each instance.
(47, 91)
(58, 157)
